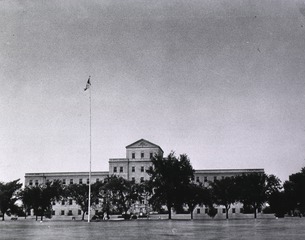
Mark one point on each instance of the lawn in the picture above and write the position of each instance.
(286, 228)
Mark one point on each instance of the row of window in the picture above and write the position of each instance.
(70, 213)
(115, 170)
(70, 202)
(133, 169)
(220, 210)
(134, 180)
(133, 155)
(80, 181)
(205, 179)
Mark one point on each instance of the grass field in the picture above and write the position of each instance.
(286, 228)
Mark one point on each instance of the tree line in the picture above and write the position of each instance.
(171, 184)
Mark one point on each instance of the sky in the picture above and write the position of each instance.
(222, 81)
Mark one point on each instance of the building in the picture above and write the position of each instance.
(132, 167)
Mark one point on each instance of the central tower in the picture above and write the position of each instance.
(137, 161)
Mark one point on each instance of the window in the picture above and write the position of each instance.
(142, 168)
(197, 179)
(198, 210)
(151, 155)
(133, 179)
(121, 169)
(70, 213)
(133, 155)
(133, 169)
(206, 210)
(62, 212)
(87, 180)
(70, 202)
(36, 182)
(63, 202)
(64, 181)
(142, 179)
(114, 169)
(223, 210)
(53, 212)
(142, 155)
(80, 181)
(53, 203)
(233, 210)
(71, 181)
(205, 179)
(79, 212)
(31, 182)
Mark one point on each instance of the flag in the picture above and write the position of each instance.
(88, 84)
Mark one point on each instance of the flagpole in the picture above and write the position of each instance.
(89, 195)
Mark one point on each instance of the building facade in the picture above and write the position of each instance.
(133, 167)
(137, 161)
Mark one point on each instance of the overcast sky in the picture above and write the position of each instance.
(222, 81)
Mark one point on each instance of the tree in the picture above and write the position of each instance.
(290, 197)
(212, 211)
(194, 195)
(275, 198)
(8, 196)
(278, 203)
(121, 193)
(255, 188)
(40, 198)
(295, 192)
(107, 206)
(298, 186)
(168, 177)
(224, 192)
(252, 190)
(80, 194)
(31, 197)
(273, 185)
(143, 193)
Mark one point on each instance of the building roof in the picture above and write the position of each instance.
(60, 174)
(142, 143)
(223, 171)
